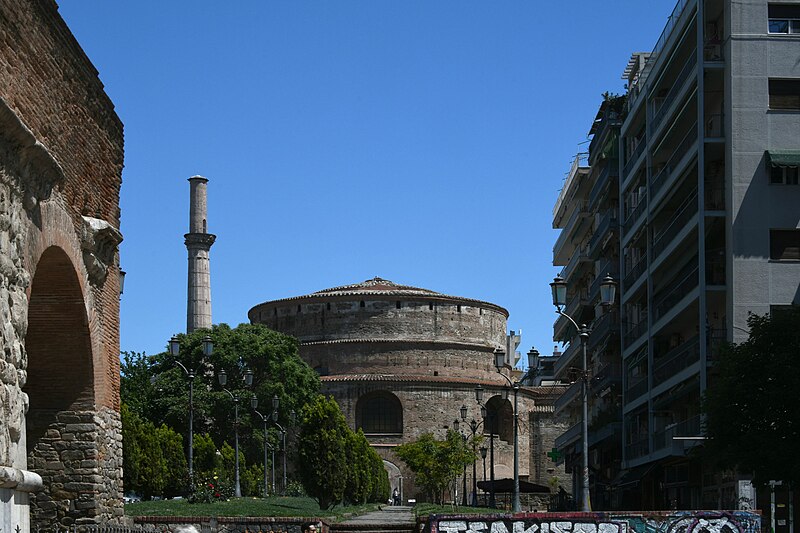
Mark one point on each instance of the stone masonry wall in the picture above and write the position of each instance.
(316, 319)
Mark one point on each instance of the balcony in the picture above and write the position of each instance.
(610, 119)
(567, 358)
(637, 448)
(680, 218)
(635, 272)
(675, 360)
(607, 225)
(635, 215)
(634, 332)
(677, 290)
(612, 429)
(608, 269)
(581, 255)
(611, 170)
(609, 375)
(581, 160)
(568, 437)
(677, 85)
(635, 390)
(691, 427)
(658, 181)
(570, 395)
(566, 233)
(607, 324)
(634, 157)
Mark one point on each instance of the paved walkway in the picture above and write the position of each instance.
(391, 516)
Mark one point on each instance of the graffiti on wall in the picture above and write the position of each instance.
(674, 522)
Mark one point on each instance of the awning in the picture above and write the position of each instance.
(783, 158)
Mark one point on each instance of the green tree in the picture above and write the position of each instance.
(175, 468)
(273, 358)
(436, 463)
(322, 461)
(753, 416)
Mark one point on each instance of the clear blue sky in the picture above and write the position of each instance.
(423, 142)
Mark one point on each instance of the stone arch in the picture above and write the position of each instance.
(501, 416)
(60, 425)
(379, 412)
(395, 477)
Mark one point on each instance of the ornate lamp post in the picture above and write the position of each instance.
(264, 419)
(608, 288)
(275, 403)
(492, 421)
(499, 363)
(464, 437)
(174, 350)
(473, 428)
(223, 379)
(483, 455)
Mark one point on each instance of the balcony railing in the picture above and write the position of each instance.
(581, 254)
(682, 356)
(715, 338)
(611, 373)
(682, 215)
(634, 156)
(581, 160)
(657, 181)
(569, 436)
(715, 125)
(607, 323)
(611, 170)
(580, 211)
(635, 215)
(607, 225)
(570, 395)
(687, 69)
(635, 390)
(567, 358)
(635, 272)
(685, 428)
(577, 301)
(611, 119)
(637, 448)
(634, 332)
(608, 269)
(678, 289)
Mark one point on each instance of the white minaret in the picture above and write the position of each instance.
(198, 244)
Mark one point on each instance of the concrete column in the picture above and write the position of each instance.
(198, 244)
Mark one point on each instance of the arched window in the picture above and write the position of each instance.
(501, 418)
(379, 412)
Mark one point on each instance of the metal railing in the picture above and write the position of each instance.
(611, 118)
(634, 156)
(636, 390)
(610, 170)
(677, 85)
(675, 360)
(637, 448)
(634, 332)
(685, 428)
(635, 215)
(635, 272)
(570, 395)
(573, 433)
(608, 269)
(573, 171)
(602, 327)
(580, 211)
(580, 254)
(609, 374)
(657, 181)
(682, 215)
(678, 289)
(607, 224)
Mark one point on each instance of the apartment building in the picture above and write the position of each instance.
(708, 219)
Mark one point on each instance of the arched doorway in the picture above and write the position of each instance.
(395, 478)
(61, 431)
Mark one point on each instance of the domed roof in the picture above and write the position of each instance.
(379, 287)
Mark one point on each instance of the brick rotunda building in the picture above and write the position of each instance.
(401, 361)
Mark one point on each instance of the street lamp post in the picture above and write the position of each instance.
(499, 363)
(492, 421)
(483, 456)
(264, 419)
(608, 289)
(275, 404)
(174, 350)
(464, 437)
(473, 428)
(223, 379)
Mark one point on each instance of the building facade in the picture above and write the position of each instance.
(61, 154)
(708, 225)
(401, 361)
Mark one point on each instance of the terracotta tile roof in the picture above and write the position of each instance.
(383, 287)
